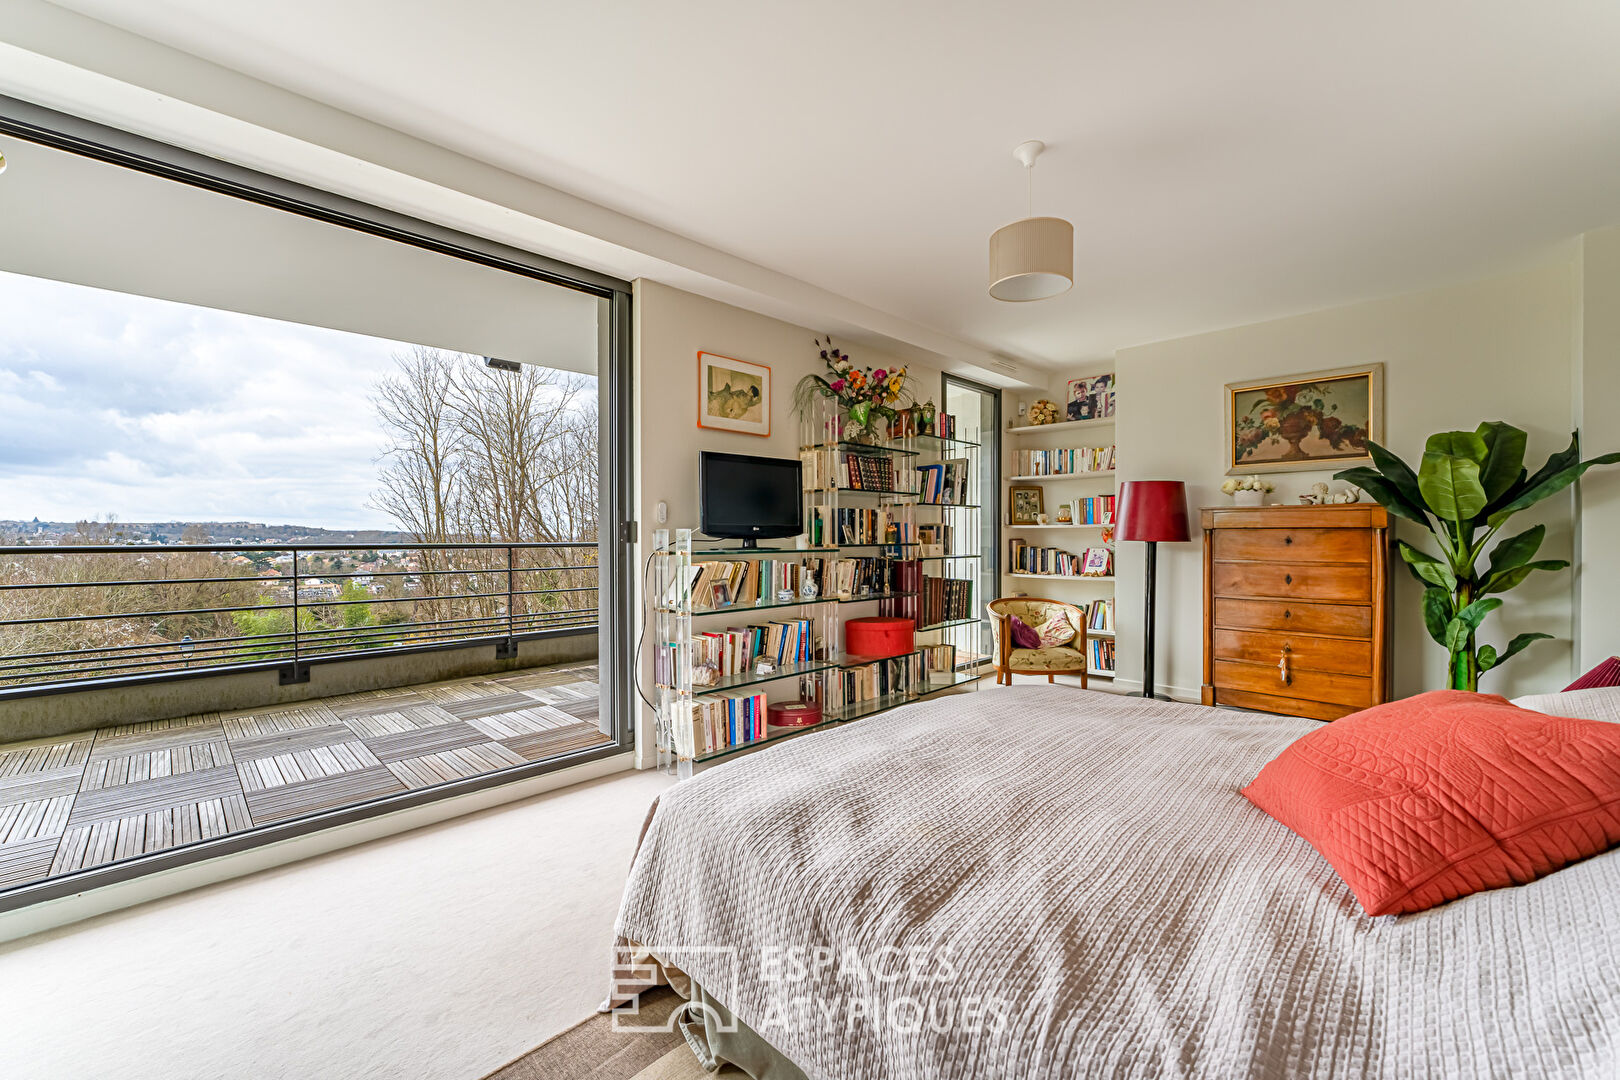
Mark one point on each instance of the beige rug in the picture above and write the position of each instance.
(592, 1050)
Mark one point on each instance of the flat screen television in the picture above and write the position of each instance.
(750, 498)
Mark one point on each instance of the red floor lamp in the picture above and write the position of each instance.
(1153, 511)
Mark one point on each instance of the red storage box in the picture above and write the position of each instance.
(793, 714)
(878, 636)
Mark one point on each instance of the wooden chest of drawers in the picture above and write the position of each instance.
(1296, 608)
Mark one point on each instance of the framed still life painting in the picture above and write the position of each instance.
(733, 395)
(1321, 420)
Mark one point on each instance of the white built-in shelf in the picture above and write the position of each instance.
(1064, 577)
(1069, 527)
(1100, 674)
(1066, 425)
(1099, 633)
(1095, 474)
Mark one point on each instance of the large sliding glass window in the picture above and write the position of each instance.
(977, 409)
(319, 501)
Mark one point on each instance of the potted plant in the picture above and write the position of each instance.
(1467, 487)
(1248, 490)
(867, 396)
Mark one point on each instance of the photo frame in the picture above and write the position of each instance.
(1027, 502)
(1320, 420)
(1089, 398)
(734, 395)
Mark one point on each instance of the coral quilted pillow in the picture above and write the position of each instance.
(1422, 801)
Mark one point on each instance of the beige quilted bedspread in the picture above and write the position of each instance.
(1076, 888)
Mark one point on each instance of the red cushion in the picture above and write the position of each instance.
(1023, 634)
(1422, 801)
(1606, 673)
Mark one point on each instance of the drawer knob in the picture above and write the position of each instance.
(1287, 614)
(1288, 539)
(1288, 579)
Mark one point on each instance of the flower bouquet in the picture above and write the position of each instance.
(867, 396)
(1248, 490)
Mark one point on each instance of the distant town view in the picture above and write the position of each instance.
(437, 491)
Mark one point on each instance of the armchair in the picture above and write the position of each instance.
(1065, 659)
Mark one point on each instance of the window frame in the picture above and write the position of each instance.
(47, 127)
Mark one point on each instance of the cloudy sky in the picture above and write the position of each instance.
(157, 411)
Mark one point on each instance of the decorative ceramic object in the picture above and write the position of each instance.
(763, 666)
(1249, 490)
(1249, 498)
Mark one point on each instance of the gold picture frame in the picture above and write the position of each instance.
(1319, 421)
(734, 395)
(1027, 503)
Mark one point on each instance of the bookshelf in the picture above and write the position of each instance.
(1070, 460)
(891, 529)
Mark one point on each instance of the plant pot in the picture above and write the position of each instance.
(1249, 498)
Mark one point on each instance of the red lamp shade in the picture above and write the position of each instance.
(1153, 510)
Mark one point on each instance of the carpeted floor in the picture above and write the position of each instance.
(592, 1050)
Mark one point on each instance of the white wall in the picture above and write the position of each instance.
(671, 328)
(1597, 406)
(1499, 349)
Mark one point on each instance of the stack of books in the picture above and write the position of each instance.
(722, 721)
(939, 661)
(1097, 510)
(858, 525)
(945, 600)
(735, 648)
(944, 483)
(893, 677)
(1025, 558)
(935, 540)
(1101, 660)
(872, 576)
(746, 582)
(1100, 617)
(1080, 459)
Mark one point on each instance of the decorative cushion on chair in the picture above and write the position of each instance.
(1061, 658)
(1023, 635)
(1419, 802)
(1056, 631)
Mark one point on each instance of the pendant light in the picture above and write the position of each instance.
(1031, 259)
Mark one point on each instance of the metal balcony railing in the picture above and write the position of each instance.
(102, 614)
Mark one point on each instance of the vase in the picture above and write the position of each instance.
(1293, 429)
(1249, 498)
(863, 425)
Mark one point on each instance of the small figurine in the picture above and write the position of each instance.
(764, 666)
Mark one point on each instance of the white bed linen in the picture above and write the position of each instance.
(1088, 861)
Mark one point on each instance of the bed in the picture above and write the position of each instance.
(1043, 881)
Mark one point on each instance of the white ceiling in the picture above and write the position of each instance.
(1222, 163)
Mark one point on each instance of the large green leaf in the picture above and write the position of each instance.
(1549, 486)
(1427, 568)
(1512, 579)
(1486, 657)
(1385, 494)
(1437, 609)
(1466, 621)
(1504, 457)
(1449, 475)
(1517, 645)
(1518, 550)
(1397, 472)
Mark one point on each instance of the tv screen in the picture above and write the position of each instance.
(750, 498)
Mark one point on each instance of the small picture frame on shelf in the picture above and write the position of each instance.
(1026, 501)
(1097, 563)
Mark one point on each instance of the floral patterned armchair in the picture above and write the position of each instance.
(1067, 658)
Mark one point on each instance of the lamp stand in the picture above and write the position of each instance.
(1149, 649)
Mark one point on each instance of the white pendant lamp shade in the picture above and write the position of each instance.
(1031, 259)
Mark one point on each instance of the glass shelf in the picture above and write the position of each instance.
(936, 440)
(957, 678)
(696, 551)
(874, 596)
(728, 609)
(905, 545)
(861, 709)
(950, 506)
(944, 558)
(947, 624)
(851, 660)
(866, 491)
(861, 448)
(748, 678)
